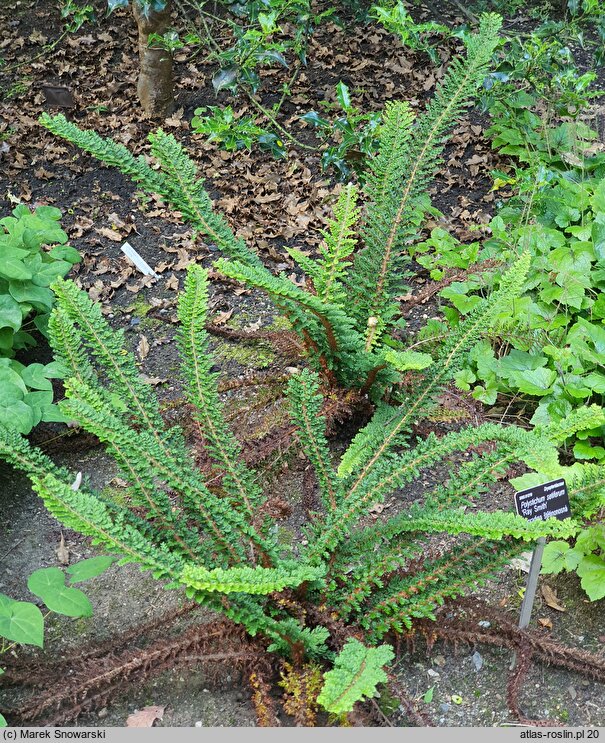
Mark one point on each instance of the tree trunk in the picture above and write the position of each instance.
(155, 86)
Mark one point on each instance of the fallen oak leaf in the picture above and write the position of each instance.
(145, 718)
(545, 622)
(550, 597)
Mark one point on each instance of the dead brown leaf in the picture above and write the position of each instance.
(550, 597)
(145, 718)
(143, 347)
(62, 552)
(222, 317)
(545, 622)
(109, 234)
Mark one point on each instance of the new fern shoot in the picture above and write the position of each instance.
(333, 595)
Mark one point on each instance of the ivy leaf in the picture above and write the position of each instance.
(115, 4)
(356, 673)
(21, 622)
(86, 569)
(592, 573)
(3, 723)
(49, 585)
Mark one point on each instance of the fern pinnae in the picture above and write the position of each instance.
(422, 157)
(339, 243)
(88, 515)
(386, 433)
(305, 409)
(203, 395)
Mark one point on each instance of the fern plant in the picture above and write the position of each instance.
(345, 316)
(210, 535)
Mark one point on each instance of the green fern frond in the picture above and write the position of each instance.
(339, 242)
(246, 579)
(107, 346)
(305, 410)
(328, 327)
(356, 673)
(202, 393)
(418, 595)
(391, 472)
(106, 150)
(380, 435)
(87, 515)
(493, 525)
(185, 191)
(67, 345)
(178, 182)
(393, 219)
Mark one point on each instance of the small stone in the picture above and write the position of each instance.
(439, 660)
(199, 724)
(572, 692)
(477, 661)
(102, 713)
(433, 674)
(206, 691)
(485, 624)
(445, 707)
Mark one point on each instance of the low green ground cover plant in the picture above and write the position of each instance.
(331, 594)
(586, 557)
(34, 252)
(22, 622)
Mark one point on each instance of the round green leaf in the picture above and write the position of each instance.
(12, 268)
(48, 212)
(535, 381)
(49, 585)
(40, 582)
(86, 569)
(10, 313)
(69, 601)
(26, 291)
(592, 573)
(3, 723)
(21, 622)
(49, 272)
(65, 253)
(35, 378)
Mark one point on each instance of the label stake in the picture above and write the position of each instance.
(538, 504)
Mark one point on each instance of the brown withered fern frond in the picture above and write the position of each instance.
(264, 703)
(88, 686)
(472, 622)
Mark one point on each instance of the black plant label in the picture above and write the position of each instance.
(544, 501)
